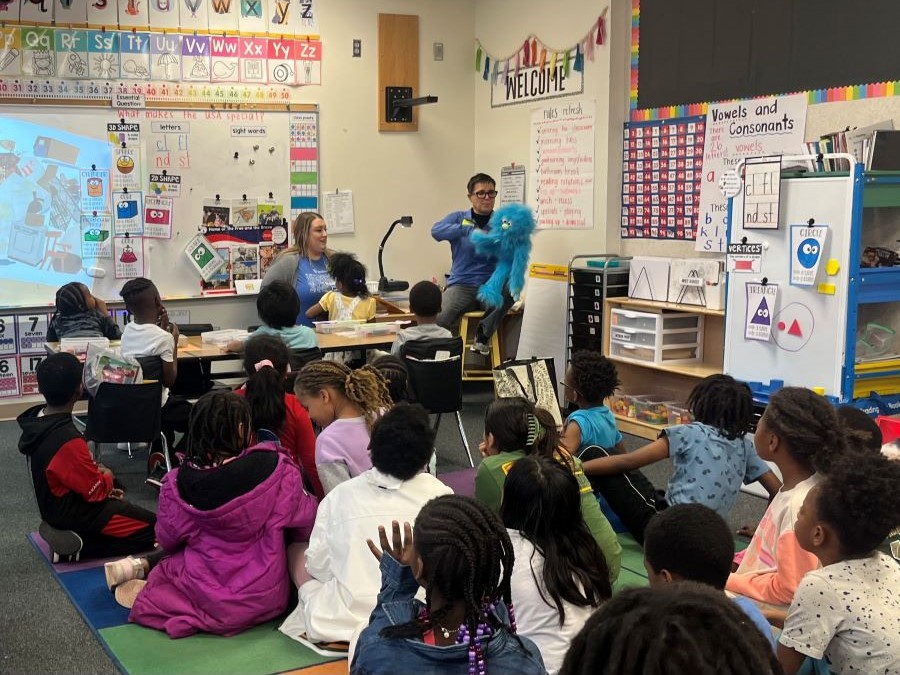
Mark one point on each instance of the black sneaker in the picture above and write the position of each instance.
(65, 545)
(156, 476)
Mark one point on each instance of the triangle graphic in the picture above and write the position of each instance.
(642, 276)
(795, 329)
(761, 315)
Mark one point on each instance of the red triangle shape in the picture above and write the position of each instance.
(795, 329)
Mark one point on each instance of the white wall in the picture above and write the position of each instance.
(502, 135)
(392, 174)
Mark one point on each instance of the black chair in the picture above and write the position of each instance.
(437, 382)
(193, 329)
(127, 413)
(299, 358)
(151, 367)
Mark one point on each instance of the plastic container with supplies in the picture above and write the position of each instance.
(636, 353)
(652, 411)
(337, 326)
(679, 415)
(222, 337)
(380, 328)
(626, 405)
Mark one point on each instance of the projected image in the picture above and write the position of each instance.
(40, 212)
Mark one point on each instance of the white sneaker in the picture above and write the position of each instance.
(480, 348)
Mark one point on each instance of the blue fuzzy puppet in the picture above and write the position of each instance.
(509, 241)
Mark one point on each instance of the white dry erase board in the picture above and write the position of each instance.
(43, 151)
(808, 333)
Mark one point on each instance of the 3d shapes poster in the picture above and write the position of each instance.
(40, 208)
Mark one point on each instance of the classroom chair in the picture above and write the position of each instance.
(126, 413)
(483, 370)
(437, 382)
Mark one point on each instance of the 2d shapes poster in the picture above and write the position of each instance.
(761, 302)
(203, 256)
(40, 207)
(158, 217)
(807, 251)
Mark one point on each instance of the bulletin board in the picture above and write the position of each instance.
(255, 162)
(807, 327)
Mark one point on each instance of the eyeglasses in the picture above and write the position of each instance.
(485, 194)
(569, 386)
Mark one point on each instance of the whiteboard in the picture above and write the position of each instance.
(59, 142)
(809, 353)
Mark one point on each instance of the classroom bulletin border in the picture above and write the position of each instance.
(833, 94)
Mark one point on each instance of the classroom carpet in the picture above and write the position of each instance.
(136, 650)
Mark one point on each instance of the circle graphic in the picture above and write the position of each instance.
(795, 324)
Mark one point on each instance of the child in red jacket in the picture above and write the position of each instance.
(81, 509)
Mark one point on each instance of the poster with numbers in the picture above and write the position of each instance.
(7, 335)
(32, 332)
(28, 373)
(9, 376)
(662, 164)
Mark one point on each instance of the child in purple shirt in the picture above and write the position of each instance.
(346, 403)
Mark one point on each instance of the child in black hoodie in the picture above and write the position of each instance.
(74, 492)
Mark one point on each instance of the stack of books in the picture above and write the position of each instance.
(876, 146)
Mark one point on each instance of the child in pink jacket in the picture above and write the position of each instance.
(224, 518)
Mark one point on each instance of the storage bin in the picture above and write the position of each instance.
(587, 305)
(586, 330)
(625, 405)
(652, 411)
(220, 338)
(590, 318)
(649, 354)
(593, 343)
(375, 329)
(335, 326)
(679, 415)
(585, 291)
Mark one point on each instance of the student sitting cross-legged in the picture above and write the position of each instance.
(692, 542)
(225, 518)
(82, 511)
(338, 577)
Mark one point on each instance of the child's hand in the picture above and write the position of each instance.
(162, 318)
(117, 494)
(747, 531)
(402, 549)
(482, 448)
(106, 472)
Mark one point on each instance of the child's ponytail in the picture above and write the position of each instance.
(266, 361)
(368, 389)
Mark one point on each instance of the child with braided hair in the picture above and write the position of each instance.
(849, 611)
(712, 456)
(267, 361)
(346, 403)
(515, 428)
(461, 554)
(683, 628)
(800, 431)
(80, 314)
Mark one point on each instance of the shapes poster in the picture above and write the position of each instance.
(761, 302)
(127, 213)
(94, 190)
(96, 236)
(126, 167)
(129, 255)
(10, 51)
(71, 53)
(762, 188)
(204, 257)
(807, 251)
(158, 217)
(662, 166)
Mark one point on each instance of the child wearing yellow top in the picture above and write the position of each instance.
(351, 300)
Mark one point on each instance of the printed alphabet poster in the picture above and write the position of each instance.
(70, 13)
(127, 213)
(103, 55)
(224, 16)
(165, 56)
(134, 14)
(224, 53)
(71, 53)
(163, 14)
(134, 49)
(95, 190)
(309, 62)
(751, 128)
(96, 236)
(9, 11)
(126, 167)
(129, 255)
(194, 15)
(195, 58)
(253, 66)
(10, 50)
(158, 217)
(282, 61)
(103, 14)
(36, 12)
(761, 299)
(306, 18)
(807, 250)
(253, 17)
(38, 55)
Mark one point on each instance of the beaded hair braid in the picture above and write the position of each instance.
(468, 556)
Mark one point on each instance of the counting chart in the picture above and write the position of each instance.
(7, 335)
(304, 159)
(28, 373)
(32, 332)
(160, 92)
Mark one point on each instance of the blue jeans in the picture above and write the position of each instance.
(459, 299)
